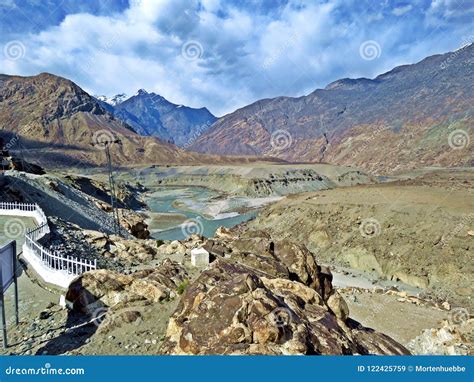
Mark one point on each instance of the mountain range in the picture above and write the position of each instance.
(150, 114)
(51, 121)
(412, 116)
(408, 117)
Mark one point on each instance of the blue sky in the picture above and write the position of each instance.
(224, 54)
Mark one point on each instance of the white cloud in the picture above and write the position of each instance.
(247, 54)
(442, 12)
(399, 11)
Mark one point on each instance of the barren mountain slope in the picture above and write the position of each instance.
(417, 231)
(152, 115)
(55, 122)
(413, 116)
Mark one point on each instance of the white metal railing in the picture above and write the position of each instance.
(70, 265)
(65, 264)
(19, 206)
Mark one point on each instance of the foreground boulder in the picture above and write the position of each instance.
(134, 223)
(105, 288)
(283, 258)
(230, 309)
(302, 267)
(120, 250)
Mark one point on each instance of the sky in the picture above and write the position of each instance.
(224, 55)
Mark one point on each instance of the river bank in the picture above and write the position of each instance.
(176, 212)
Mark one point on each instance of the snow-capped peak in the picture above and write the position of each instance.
(114, 101)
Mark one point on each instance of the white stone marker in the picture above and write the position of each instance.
(62, 301)
(199, 257)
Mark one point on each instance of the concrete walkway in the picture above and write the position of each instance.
(14, 228)
(32, 298)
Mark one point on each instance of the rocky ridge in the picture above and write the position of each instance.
(414, 231)
(410, 117)
(152, 115)
(256, 297)
(256, 180)
(55, 123)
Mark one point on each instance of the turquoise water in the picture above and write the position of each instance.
(162, 201)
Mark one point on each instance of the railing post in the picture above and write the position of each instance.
(67, 264)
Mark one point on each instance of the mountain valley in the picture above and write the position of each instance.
(338, 223)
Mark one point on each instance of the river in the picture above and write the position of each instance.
(180, 211)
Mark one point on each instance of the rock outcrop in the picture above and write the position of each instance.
(257, 296)
(123, 251)
(107, 289)
(134, 223)
(230, 309)
(9, 162)
(282, 258)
